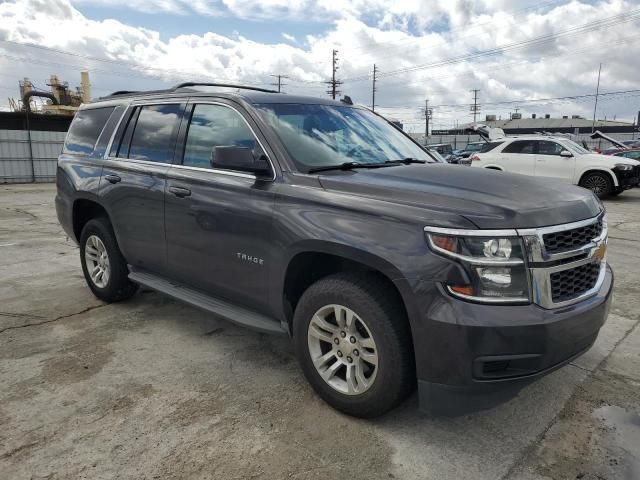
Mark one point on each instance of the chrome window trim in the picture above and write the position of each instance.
(264, 150)
(232, 173)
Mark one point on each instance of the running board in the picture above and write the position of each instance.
(229, 311)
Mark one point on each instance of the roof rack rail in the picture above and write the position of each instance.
(123, 92)
(229, 85)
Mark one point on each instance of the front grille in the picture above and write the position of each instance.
(571, 283)
(571, 239)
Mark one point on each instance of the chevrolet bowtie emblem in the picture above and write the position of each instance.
(600, 251)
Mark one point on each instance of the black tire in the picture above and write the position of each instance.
(371, 300)
(617, 192)
(118, 287)
(599, 183)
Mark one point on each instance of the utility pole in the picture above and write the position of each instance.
(279, 83)
(333, 83)
(373, 89)
(595, 106)
(428, 113)
(475, 108)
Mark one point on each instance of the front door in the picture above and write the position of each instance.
(134, 179)
(518, 157)
(218, 222)
(550, 164)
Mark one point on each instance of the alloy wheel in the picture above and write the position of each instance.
(596, 184)
(342, 349)
(97, 261)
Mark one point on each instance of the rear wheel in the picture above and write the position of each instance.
(599, 183)
(354, 345)
(105, 269)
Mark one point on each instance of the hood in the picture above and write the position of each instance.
(488, 198)
(597, 159)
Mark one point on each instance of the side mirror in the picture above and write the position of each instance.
(566, 153)
(240, 159)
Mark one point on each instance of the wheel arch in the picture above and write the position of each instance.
(313, 260)
(589, 170)
(83, 210)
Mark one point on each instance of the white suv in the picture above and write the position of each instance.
(559, 158)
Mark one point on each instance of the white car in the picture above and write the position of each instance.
(559, 158)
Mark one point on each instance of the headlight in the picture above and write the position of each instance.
(495, 265)
(623, 167)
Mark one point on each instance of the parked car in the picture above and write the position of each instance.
(562, 159)
(444, 149)
(471, 148)
(456, 160)
(632, 154)
(320, 221)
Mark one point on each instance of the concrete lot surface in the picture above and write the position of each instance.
(150, 388)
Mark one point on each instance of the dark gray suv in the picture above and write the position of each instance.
(320, 220)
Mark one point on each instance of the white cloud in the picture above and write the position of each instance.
(288, 37)
(365, 32)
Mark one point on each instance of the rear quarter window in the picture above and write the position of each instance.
(487, 147)
(85, 130)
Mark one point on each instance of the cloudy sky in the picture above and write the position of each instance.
(517, 53)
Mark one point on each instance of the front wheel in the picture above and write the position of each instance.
(354, 345)
(599, 183)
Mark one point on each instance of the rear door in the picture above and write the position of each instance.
(518, 157)
(134, 178)
(549, 163)
(219, 222)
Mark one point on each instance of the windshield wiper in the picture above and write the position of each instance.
(405, 161)
(348, 166)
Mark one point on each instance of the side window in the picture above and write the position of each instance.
(150, 133)
(85, 130)
(549, 148)
(487, 147)
(215, 126)
(520, 146)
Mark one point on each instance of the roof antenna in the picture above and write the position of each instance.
(346, 99)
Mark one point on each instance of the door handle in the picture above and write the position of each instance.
(180, 192)
(111, 178)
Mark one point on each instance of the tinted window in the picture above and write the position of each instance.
(215, 126)
(549, 148)
(474, 147)
(85, 130)
(487, 147)
(519, 146)
(154, 133)
(632, 155)
(327, 135)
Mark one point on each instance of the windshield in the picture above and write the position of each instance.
(325, 135)
(575, 148)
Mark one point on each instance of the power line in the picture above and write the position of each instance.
(606, 22)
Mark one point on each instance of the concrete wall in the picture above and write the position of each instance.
(16, 165)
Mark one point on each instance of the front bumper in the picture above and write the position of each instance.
(628, 178)
(467, 346)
